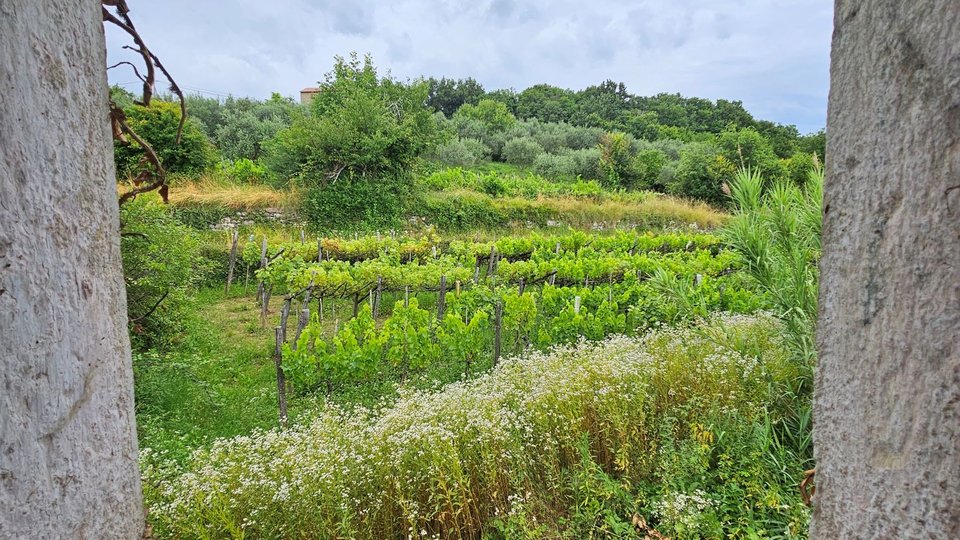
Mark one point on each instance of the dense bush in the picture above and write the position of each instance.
(162, 269)
(696, 175)
(246, 124)
(356, 204)
(492, 114)
(157, 125)
(462, 152)
(361, 128)
(521, 151)
(555, 166)
(586, 163)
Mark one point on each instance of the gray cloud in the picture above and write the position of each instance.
(771, 54)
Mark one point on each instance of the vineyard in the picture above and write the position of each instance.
(523, 383)
(378, 308)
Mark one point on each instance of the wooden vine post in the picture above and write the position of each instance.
(497, 330)
(442, 298)
(281, 379)
(302, 320)
(233, 260)
(263, 264)
(378, 292)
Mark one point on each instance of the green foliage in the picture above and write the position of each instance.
(464, 341)
(362, 128)
(492, 114)
(555, 166)
(747, 148)
(447, 95)
(162, 269)
(521, 151)
(699, 174)
(242, 170)
(157, 125)
(546, 103)
(356, 204)
(777, 233)
(648, 165)
(616, 159)
(245, 125)
(462, 152)
(407, 339)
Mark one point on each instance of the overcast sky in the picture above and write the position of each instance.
(771, 54)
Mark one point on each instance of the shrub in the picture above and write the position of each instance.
(162, 268)
(521, 151)
(242, 170)
(462, 153)
(697, 176)
(356, 205)
(495, 116)
(555, 166)
(586, 163)
(157, 124)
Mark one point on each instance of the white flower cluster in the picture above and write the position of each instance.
(448, 460)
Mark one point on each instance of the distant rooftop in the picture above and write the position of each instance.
(307, 94)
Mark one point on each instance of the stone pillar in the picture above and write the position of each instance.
(887, 399)
(68, 447)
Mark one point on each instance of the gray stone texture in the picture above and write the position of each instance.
(68, 449)
(887, 403)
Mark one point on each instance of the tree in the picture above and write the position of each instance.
(361, 127)
(495, 116)
(747, 148)
(68, 464)
(157, 124)
(699, 174)
(448, 95)
(887, 399)
(247, 124)
(546, 103)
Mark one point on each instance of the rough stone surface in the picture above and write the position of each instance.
(68, 450)
(887, 404)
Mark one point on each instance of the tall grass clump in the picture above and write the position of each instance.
(777, 233)
(568, 444)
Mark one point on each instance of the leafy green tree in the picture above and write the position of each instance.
(647, 166)
(814, 143)
(494, 115)
(746, 147)
(247, 124)
(508, 97)
(448, 95)
(546, 103)
(797, 168)
(601, 105)
(616, 159)
(783, 139)
(697, 175)
(521, 151)
(361, 127)
(157, 125)
(207, 111)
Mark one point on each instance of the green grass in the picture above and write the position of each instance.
(220, 382)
